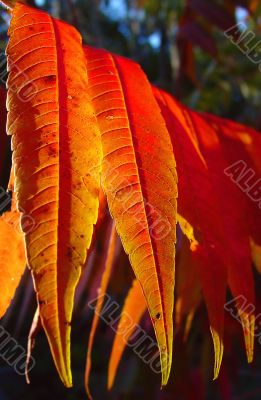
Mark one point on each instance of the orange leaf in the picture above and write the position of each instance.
(108, 260)
(57, 157)
(139, 179)
(187, 230)
(12, 257)
(5, 148)
(134, 307)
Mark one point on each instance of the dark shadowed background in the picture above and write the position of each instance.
(182, 47)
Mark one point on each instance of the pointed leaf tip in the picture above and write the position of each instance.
(57, 163)
(140, 181)
(133, 309)
(218, 351)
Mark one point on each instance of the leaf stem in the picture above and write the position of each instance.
(9, 3)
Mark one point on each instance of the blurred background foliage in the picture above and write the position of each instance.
(180, 44)
(182, 47)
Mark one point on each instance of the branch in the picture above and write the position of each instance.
(11, 3)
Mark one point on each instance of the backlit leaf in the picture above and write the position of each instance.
(237, 252)
(12, 257)
(57, 157)
(188, 290)
(108, 263)
(139, 179)
(241, 148)
(198, 206)
(134, 307)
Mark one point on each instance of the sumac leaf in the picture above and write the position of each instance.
(139, 179)
(57, 158)
(134, 307)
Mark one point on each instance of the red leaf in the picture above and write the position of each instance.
(237, 252)
(198, 206)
